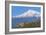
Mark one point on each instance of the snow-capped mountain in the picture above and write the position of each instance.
(29, 13)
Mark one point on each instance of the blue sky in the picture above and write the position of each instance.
(17, 10)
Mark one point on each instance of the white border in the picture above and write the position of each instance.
(24, 29)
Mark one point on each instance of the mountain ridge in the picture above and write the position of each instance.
(29, 13)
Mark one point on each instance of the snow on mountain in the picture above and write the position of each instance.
(29, 13)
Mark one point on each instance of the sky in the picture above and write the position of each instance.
(17, 10)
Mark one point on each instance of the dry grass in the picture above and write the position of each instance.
(29, 25)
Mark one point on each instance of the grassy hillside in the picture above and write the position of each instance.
(28, 25)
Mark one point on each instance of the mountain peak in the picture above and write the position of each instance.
(29, 13)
